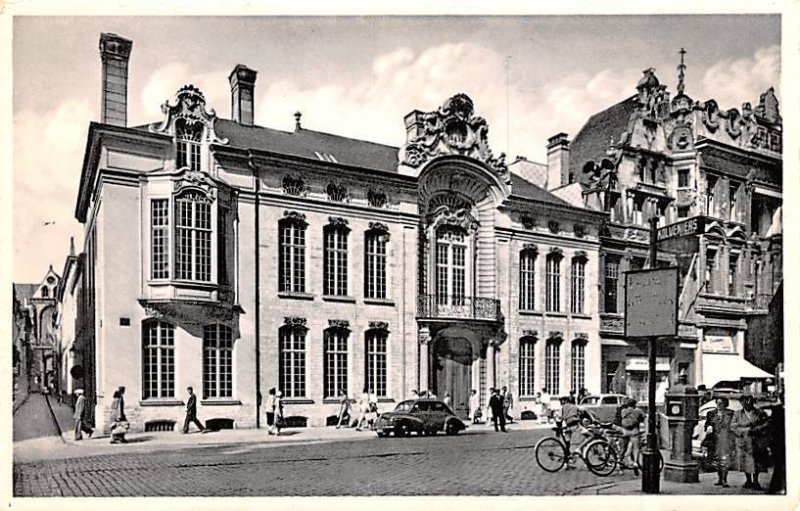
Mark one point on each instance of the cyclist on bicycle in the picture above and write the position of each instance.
(631, 418)
(572, 415)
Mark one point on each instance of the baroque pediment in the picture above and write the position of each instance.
(452, 129)
(190, 106)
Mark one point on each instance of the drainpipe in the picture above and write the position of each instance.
(257, 266)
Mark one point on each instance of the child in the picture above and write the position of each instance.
(118, 430)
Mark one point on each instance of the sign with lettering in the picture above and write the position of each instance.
(651, 303)
(689, 227)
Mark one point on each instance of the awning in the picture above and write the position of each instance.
(719, 367)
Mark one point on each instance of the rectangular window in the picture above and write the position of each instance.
(159, 218)
(376, 373)
(733, 271)
(552, 360)
(335, 262)
(217, 362)
(733, 191)
(711, 260)
(292, 363)
(459, 273)
(683, 211)
(710, 206)
(222, 246)
(375, 278)
(683, 178)
(292, 257)
(638, 211)
(441, 274)
(192, 238)
(527, 280)
(527, 365)
(335, 361)
(578, 286)
(188, 155)
(451, 258)
(158, 360)
(578, 365)
(553, 283)
(611, 285)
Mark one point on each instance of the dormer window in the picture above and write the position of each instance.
(188, 136)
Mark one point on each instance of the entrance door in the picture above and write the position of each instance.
(454, 372)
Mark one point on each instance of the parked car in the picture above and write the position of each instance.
(423, 416)
(602, 407)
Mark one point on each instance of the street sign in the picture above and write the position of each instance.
(689, 227)
(651, 302)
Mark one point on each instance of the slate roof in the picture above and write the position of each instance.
(592, 140)
(520, 187)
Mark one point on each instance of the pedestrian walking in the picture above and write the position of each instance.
(272, 402)
(344, 408)
(582, 393)
(121, 391)
(373, 407)
(720, 421)
(498, 415)
(80, 416)
(280, 423)
(631, 417)
(363, 407)
(544, 417)
(431, 395)
(749, 426)
(447, 399)
(474, 407)
(508, 403)
(118, 422)
(191, 413)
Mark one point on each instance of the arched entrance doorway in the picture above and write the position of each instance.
(453, 372)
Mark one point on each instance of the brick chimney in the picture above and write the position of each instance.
(243, 84)
(115, 51)
(557, 161)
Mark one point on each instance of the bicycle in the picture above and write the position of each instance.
(616, 439)
(598, 454)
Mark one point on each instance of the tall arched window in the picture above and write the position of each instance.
(292, 361)
(188, 137)
(578, 355)
(527, 366)
(552, 360)
(527, 279)
(578, 294)
(335, 361)
(292, 254)
(451, 266)
(375, 243)
(335, 258)
(192, 236)
(217, 362)
(376, 351)
(45, 292)
(553, 282)
(158, 360)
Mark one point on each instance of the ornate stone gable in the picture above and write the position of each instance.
(196, 183)
(190, 106)
(453, 129)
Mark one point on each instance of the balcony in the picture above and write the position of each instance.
(458, 307)
(721, 303)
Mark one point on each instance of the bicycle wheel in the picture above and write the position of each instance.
(640, 460)
(600, 457)
(550, 454)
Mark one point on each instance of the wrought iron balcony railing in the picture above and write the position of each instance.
(458, 307)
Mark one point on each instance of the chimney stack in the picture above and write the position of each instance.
(243, 84)
(557, 161)
(115, 51)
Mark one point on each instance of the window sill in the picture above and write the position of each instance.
(333, 401)
(186, 283)
(527, 399)
(581, 316)
(379, 301)
(556, 314)
(220, 402)
(525, 312)
(295, 296)
(335, 298)
(162, 402)
(297, 401)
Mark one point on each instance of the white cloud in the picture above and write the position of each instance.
(48, 153)
(733, 82)
(165, 82)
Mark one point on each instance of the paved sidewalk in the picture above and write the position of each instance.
(704, 487)
(47, 449)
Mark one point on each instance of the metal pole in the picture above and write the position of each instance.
(257, 268)
(650, 475)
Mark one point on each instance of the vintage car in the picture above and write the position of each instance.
(602, 407)
(423, 416)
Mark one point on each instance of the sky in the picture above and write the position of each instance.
(530, 77)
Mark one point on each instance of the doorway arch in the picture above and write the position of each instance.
(452, 372)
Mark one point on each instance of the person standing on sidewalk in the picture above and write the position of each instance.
(498, 414)
(748, 425)
(80, 416)
(344, 408)
(508, 403)
(271, 406)
(474, 407)
(363, 407)
(630, 419)
(544, 417)
(278, 412)
(122, 416)
(191, 413)
(720, 422)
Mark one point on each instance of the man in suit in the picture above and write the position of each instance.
(498, 414)
(80, 416)
(191, 412)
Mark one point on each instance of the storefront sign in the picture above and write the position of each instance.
(689, 227)
(718, 344)
(640, 364)
(651, 303)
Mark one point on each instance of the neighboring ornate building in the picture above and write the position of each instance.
(313, 263)
(680, 159)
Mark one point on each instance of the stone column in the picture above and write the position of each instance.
(424, 356)
(491, 364)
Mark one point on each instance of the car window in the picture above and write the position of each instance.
(422, 407)
(438, 407)
(609, 400)
(590, 400)
(405, 406)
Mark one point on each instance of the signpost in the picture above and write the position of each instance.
(681, 237)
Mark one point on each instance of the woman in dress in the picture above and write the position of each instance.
(749, 425)
(344, 408)
(720, 422)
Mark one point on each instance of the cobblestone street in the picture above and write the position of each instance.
(478, 463)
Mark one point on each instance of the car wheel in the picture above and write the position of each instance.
(401, 430)
(451, 428)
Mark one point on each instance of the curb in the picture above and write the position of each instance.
(18, 404)
(55, 420)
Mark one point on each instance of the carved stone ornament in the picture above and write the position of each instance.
(376, 198)
(580, 230)
(296, 217)
(294, 185)
(187, 311)
(528, 221)
(340, 324)
(450, 214)
(581, 255)
(768, 108)
(382, 325)
(601, 176)
(336, 192)
(733, 127)
(338, 222)
(530, 247)
(581, 337)
(553, 226)
(190, 106)
(295, 322)
(197, 181)
(452, 129)
(531, 334)
(380, 227)
(556, 251)
(555, 336)
(681, 137)
(711, 115)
